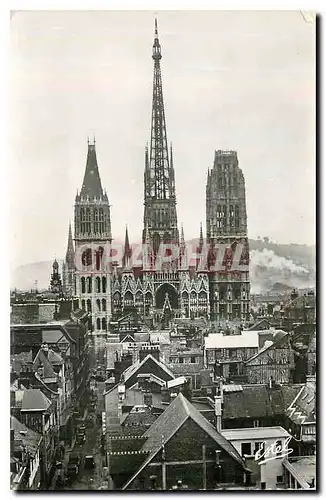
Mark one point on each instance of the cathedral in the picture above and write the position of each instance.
(187, 283)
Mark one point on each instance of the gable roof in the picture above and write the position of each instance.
(133, 369)
(28, 437)
(41, 359)
(170, 421)
(35, 400)
(278, 338)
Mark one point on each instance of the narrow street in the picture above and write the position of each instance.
(90, 479)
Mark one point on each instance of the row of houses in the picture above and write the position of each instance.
(49, 372)
(160, 433)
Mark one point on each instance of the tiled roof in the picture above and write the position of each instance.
(29, 438)
(41, 359)
(278, 339)
(167, 424)
(172, 419)
(35, 400)
(131, 370)
(54, 358)
(302, 409)
(257, 401)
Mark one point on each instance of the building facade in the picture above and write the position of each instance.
(226, 226)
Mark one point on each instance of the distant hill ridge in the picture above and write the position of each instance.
(270, 263)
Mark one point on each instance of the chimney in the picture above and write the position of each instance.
(45, 348)
(271, 383)
(165, 395)
(148, 399)
(173, 396)
(218, 413)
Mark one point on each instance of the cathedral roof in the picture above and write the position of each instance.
(92, 186)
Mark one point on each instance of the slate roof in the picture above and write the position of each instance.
(171, 420)
(257, 401)
(29, 438)
(302, 409)
(41, 359)
(278, 339)
(54, 358)
(131, 370)
(35, 400)
(92, 186)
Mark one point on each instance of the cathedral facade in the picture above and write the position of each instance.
(168, 282)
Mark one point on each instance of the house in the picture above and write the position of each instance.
(181, 445)
(300, 309)
(262, 324)
(228, 353)
(148, 375)
(301, 419)
(300, 473)
(68, 338)
(252, 443)
(187, 363)
(25, 453)
(33, 409)
(274, 361)
(223, 347)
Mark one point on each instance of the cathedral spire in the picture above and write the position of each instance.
(127, 250)
(159, 157)
(92, 186)
(70, 254)
(159, 184)
(201, 239)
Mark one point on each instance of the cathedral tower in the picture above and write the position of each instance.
(226, 225)
(160, 214)
(92, 245)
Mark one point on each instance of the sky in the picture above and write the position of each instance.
(242, 80)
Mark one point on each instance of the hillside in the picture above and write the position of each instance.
(270, 263)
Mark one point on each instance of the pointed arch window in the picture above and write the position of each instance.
(98, 284)
(89, 305)
(101, 220)
(98, 304)
(89, 324)
(104, 284)
(98, 324)
(96, 220)
(237, 216)
(88, 220)
(82, 220)
(89, 284)
(83, 285)
(104, 324)
(83, 305)
(98, 258)
(103, 305)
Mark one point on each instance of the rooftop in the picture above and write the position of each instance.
(35, 400)
(248, 338)
(247, 433)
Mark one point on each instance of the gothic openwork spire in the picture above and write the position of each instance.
(159, 189)
(159, 158)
